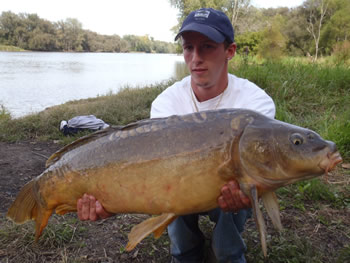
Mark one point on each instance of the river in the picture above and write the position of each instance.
(33, 81)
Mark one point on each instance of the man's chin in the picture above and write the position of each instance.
(201, 83)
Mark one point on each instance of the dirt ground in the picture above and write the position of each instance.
(66, 239)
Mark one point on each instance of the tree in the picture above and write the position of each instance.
(273, 45)
(9, 22)
(70, 34)
(234, 9)
(317, 10)
(299, 40)
(248, 43)
(237, 9)
(337, 28)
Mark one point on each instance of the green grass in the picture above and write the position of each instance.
(315, 191)
(10, 48)
(130, 104)
(286, 247)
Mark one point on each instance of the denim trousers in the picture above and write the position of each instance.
(187, 241)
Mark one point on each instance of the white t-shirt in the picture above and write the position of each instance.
(240, 93)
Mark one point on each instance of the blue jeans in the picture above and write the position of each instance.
(187, 241)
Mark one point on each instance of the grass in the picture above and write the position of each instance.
(10, 48)
(129, 105)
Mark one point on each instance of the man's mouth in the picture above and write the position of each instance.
(199, 70)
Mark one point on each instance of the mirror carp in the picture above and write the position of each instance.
(175, 166)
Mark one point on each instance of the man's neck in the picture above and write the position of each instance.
(207, 93)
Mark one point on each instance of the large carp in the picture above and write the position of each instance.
(175, 166)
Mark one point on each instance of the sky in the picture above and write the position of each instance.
(121, 17)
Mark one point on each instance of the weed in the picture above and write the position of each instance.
(344, 255)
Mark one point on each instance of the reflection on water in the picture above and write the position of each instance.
(181, 70)
(33, 81)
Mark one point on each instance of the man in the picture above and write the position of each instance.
(207, 39)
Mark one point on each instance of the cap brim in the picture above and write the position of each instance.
(206, 30)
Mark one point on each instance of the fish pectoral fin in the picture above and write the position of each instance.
(272, 208)
(259, 219)
(155, 225)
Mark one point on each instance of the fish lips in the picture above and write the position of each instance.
(329, 163)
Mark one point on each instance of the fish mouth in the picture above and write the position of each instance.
(330, 162)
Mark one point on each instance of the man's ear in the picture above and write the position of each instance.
(231, 51)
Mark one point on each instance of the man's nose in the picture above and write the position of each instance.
(197, 55)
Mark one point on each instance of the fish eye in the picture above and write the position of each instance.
(296, 139)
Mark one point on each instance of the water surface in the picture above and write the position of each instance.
(33, 81)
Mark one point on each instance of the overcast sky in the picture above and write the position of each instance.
(121, 17)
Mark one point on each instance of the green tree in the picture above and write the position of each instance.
(9, 23)
(299, 40)
(70, 35)
(247, 43)
(273, 45)
(337, 29)
(317, 11)
(234, 9)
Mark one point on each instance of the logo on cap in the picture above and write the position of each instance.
(202, 14)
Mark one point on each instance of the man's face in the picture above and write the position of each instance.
(206, 59)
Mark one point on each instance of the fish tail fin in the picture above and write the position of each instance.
(26, 208)
(155, 225)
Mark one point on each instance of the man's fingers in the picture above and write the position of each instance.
(232, 198)
(88, 208)
(92, 208)
(228, 197)
(101, 212)
(222, 204)
(79, 208)
(84, 207)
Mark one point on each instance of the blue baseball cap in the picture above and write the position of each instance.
(210, 22)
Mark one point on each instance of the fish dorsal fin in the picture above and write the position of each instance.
(81, 141)
(259, 219)
(272, 208)
(155, 225)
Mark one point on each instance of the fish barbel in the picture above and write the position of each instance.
(175, 166)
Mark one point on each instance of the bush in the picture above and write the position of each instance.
(341, 51)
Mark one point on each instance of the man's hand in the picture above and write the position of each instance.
(232, 199)
(91, 209)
